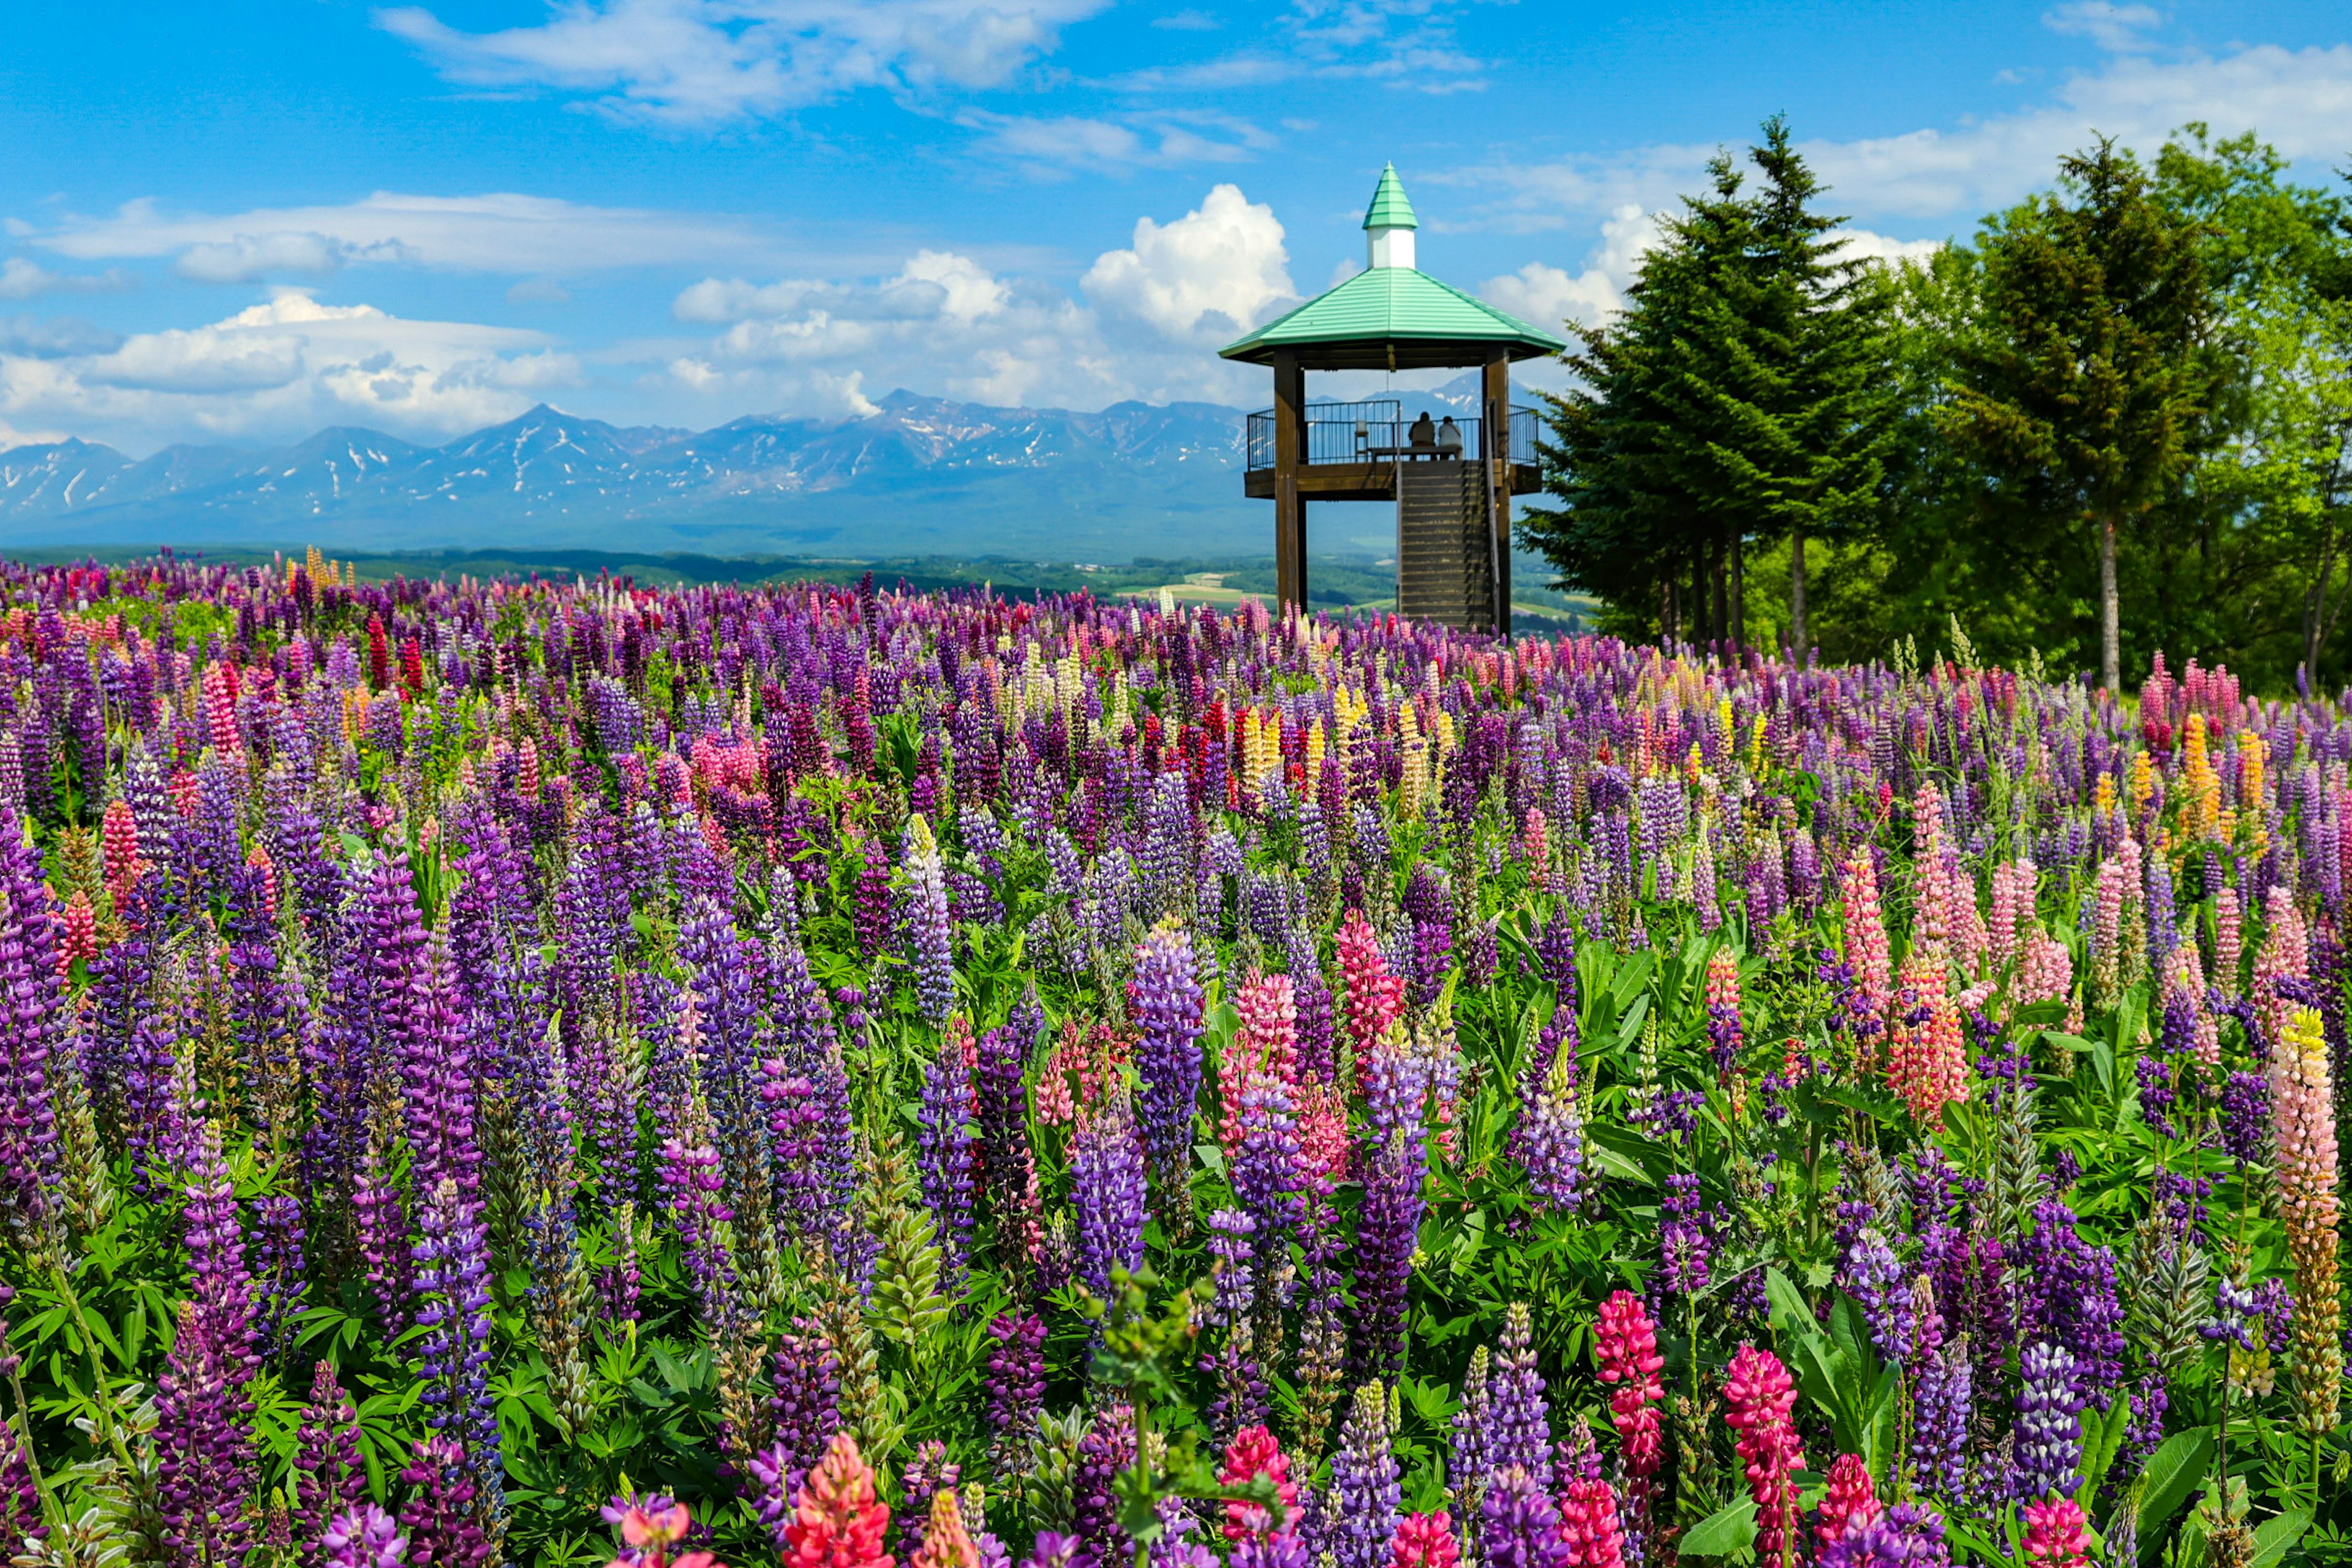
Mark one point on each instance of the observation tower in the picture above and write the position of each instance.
(1452, 488)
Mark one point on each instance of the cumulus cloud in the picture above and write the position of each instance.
(1204, 277)
(1545, 296)
(277, 370)
(707, 62)
(1140, 326)
(2298, 99)
(500, 232)
(22, 278)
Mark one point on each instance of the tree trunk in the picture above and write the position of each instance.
(1739, 592)
(2111, 653)
(1696, 620)
(1719, 613)
(1798, 644)
(1667, 628)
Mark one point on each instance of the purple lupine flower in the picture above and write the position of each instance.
(1520, 1433)
(1107, 1449)
(20, 1499)
(2070, 1296)
(870, 917)
(32, 1036)
(328, 1475)
(219, 1283)
(1518, 1524)
(204, 1481)
(380, 1218)
(1016, 1373)
(1107, 1191)
(1240, 1397)
(1388, 1228)
(1268, 1182)
(693, 1192)
(1007, 1166)
(923, 917)
(1470, 1455)
(2245, 1117)
(1684, 1244)
(1164, 998)
(1908, 1535)
(1873, 1276)
(1365, 1489)
(364, 1536)
(2049, 1443)
(1944, 1402)
(805, 1405)
(944, 1152)
(441, 1516)
(282, 1286)
(453, 1294)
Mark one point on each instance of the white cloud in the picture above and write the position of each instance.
(707, 62)
(1141, 326)
(2111, 27)
(1545, 296)
(248, 258)
(1407, 44)
(1861, 245)
(1052, 146)
(1189, 20)
(500, 232)
(1206, 276)
(2298, 99)
(282, 369)
(22, 278)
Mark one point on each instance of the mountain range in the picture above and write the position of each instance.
(917, 476)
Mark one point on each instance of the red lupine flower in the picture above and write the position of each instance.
(1254, 1452)
(1758, 1397)
(838, 1521)
(1851, 1502)
(1587, 1526)
(1625, 1345)
(1424, 1541)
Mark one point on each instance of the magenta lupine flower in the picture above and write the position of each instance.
(1008, 1166)
(363, 1537)
(871, 913)
(1164, 998)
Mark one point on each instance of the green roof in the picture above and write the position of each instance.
(1389, 208)
(1392, 315)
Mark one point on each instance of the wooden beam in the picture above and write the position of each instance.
(1495, 435)
(1290, 454)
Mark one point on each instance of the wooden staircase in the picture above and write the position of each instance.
(1446, 569)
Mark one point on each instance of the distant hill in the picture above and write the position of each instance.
(920, 476)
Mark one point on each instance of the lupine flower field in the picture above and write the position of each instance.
(562, 1072)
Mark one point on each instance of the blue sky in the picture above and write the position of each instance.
(241, 222)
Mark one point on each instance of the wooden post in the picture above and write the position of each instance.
(1496, 437)
(1289, 507)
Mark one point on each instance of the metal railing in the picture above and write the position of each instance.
(1376, 430)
